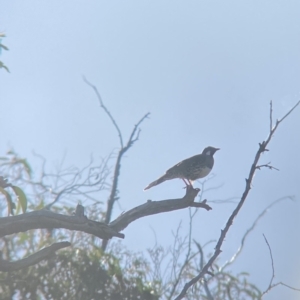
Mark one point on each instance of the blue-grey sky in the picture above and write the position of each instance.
(206, 70)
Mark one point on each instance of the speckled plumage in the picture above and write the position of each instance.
(190, 169)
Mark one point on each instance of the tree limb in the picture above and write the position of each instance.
(106, 110)
(262, 148)
(47, 219)
(112, 197)
(7, 266)
(271, 284)
(156, 207)
(79, 222)
(132, 139)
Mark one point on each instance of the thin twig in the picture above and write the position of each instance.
(272, 261)
(206, 288)
(271, 285)
(249, 230)
(271, 115)
(289, 112)
(132, 139)
(187, 257)
(286, 285)
(46, 253)
(267, 166)
(106, 110)
(114, 188)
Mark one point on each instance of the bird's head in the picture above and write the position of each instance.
(210, 151)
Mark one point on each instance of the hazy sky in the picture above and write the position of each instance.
(205, 70)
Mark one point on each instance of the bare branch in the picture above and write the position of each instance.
(187, 258)
(289, 112)
(105, 109)
(47, 219)
(260, 151)
(249, 230)
(271, 115)
(135, 136)
(267, 166)
(206, 288)
(7, 266)
(114, 189)
(156, 207)
(286, 285)
(132, 139)
(112, 197)
(272, 262)
(271, 285)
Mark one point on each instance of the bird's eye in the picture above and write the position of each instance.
(207, 152)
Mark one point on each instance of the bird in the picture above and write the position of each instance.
(190, 169)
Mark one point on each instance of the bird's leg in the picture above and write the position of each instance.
(185, 182)
(190, 182)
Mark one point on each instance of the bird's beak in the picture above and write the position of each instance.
(217, 149)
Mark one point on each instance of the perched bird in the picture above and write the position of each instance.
(190, 169)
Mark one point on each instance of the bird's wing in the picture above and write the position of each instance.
(186, 163)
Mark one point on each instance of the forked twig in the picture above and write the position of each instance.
(271, 285)
(134, 136)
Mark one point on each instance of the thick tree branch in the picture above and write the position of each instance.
(7, 266)
(156, 207)
(79, 222)
(48, 219)
(262, 148)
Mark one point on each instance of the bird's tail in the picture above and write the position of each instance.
(157, 181)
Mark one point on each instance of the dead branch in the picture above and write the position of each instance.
(134, 136)
(114, 188)
(206, 288)
(7, 266)
(271, 284)
(271, 115)
(272, 263)
(156, 207)
(42, 219)
(249, 230)
(188, 255)
(262, 148)
(45, 219)
(105, 109)
(268, 166)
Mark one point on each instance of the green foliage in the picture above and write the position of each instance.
(21, 197)
(79, 274)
